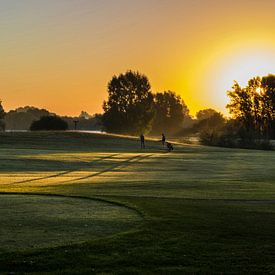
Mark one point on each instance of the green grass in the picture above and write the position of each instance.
(195, 210)
(32, 221)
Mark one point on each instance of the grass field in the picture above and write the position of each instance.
(83, 203)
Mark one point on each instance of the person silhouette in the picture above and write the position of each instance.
(142, 141)
(163, 139)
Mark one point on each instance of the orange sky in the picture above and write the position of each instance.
(60, 54)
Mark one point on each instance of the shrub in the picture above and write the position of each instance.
(47, 123)
(233, 138)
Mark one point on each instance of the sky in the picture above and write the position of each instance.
(60, 54)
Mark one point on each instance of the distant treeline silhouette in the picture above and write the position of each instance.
(22, 118)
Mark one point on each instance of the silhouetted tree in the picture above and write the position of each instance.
(254, 106)
(129, 108)
(244, 105)
(210, 128)
(268, 93)
(215, 121)
(205, 113)
(170, 112)
(47, 123)
(84, 115)
(2, 115)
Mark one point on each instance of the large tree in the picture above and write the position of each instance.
(268, 93)
(243, 104)
(170, 113)
(129, 108)
(254, 106)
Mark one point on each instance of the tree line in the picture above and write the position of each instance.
(22, 118)
(132, 108)
(254, 107)
(252, 122)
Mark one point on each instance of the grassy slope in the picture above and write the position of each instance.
(205, 209)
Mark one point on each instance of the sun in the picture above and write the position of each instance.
(213, 70)
(245, 65)
(239, 65)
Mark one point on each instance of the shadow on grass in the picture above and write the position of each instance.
(125, 163)
(63, 173)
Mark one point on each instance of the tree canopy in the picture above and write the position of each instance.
(205, 114)
(129, 108)
(212, 122)
(254, 106)
(170, 112)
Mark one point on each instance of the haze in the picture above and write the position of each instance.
(60, 54)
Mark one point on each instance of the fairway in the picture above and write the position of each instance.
(78, 202)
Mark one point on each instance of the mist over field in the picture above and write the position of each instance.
(137, 137)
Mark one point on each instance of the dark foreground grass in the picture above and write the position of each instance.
(177, 236)
(204, 210)
(31, 221)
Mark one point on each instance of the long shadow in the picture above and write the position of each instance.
(35, 165)
(63, 173)
(124, 163)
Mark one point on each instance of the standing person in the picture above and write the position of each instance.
(142, 141)
(163, 139)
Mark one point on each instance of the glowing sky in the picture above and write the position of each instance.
(60, 54)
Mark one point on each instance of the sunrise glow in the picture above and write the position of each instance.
(60, 55)
(240, 65)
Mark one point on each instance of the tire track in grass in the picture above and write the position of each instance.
(63, 173)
